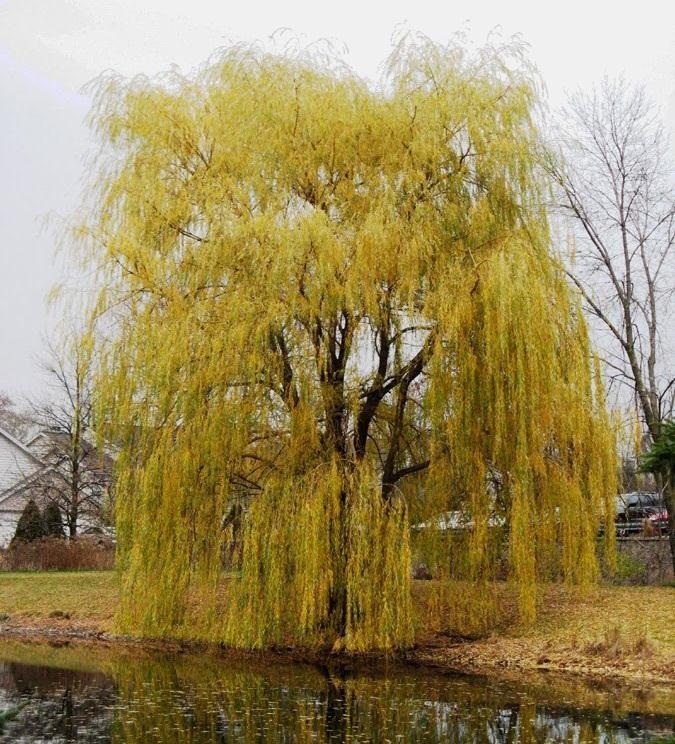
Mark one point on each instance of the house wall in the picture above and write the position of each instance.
(15, 464)
(8, 521)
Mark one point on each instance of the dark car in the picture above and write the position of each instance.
(638, 510)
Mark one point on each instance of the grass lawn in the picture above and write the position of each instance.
(633, 612)
(85, 597)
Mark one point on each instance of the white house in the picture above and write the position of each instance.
(39, 470)
(94, 479)
(19, 468)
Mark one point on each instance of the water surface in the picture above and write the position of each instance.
(94, 695)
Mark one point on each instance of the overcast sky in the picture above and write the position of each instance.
(50, 48)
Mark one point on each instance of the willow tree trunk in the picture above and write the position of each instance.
(337, 607)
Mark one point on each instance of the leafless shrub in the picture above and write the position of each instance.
(50, 554)
(616, 644)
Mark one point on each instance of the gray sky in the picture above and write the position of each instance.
(50, 48)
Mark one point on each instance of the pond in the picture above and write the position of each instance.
(67, 694)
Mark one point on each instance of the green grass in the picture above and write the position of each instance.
(86, 597)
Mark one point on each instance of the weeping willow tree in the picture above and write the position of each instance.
(333, 312)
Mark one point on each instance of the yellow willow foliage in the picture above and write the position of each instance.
(331, 314)
(290, 578)
(525, 420)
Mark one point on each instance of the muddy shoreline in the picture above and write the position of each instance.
(494, 656)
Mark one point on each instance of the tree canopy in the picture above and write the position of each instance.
(333, 311)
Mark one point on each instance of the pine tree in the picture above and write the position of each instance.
(660, 460)
(30, 525)
(53, 523)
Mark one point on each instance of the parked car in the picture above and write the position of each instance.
(457, 520)
(638, 510)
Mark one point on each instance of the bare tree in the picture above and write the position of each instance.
(13, 419)
(78, 478)
(616, 185)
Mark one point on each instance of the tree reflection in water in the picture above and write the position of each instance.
(63, 705)
(283, 704)
(197, 700)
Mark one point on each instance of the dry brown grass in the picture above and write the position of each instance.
(637, 611)
(622, 632)
(616, 645)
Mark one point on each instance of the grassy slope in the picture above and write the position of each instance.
(610, 631)
(88, 598)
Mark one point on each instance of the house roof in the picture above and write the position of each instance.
(22, 447)
(25, 481)
(60, 442)
(55, 437)
(21, 485)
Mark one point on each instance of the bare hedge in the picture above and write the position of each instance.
(50, 554)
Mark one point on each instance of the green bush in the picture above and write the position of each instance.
(629, 570)
(53, 525)
(30, 525)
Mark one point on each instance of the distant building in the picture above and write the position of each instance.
(20, 469)
(40, 470)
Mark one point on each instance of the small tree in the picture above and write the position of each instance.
(30, 525)
(79, 475)
(660, 460)
(13, 419)
(53, 524)
(616, 186)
